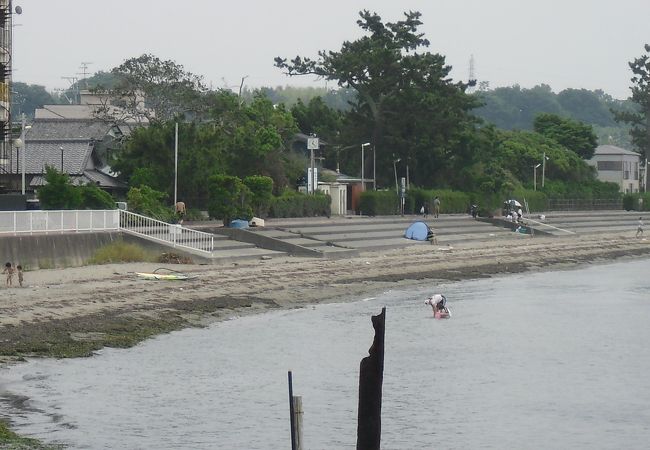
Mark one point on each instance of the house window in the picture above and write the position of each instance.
(636, 171)
(626, 170)
(615, 166)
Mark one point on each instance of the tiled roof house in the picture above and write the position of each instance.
(77, 147)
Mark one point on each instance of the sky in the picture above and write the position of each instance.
(561, 43)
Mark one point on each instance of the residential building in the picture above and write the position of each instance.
(617, 165)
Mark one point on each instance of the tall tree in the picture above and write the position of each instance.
(639, 119)
(25, 98)
(574, 135)
(151, 88)
(406, 105)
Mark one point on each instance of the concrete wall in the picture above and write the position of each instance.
(46, 251)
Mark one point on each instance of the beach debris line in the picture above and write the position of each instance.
(163, 273)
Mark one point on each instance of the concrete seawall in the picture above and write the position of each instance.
(46, 251)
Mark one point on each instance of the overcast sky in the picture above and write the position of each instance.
(562, 43)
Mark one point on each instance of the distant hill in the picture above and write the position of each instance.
(514, 108)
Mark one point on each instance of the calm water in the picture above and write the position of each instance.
(549, 360)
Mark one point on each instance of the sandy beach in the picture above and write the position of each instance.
(73, 311)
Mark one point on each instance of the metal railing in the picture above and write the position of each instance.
(28, 222)
(167, 233)
(561, 204)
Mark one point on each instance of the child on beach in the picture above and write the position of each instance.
(9, 270)
(639, 230)
(19, 270)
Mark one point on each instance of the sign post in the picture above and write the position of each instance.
(312, 144)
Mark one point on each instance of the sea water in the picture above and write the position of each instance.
(558, 359)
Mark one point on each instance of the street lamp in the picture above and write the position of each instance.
(535, 176)
(395, 161)
(61, 148)
(544, 159)
(363, 182)
(20, 144)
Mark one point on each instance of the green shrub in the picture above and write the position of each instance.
(631, 201)
(118, 252)
(92, 197)
(261, 189)
(450, 201)
(376, 203)
(536, 200)
(149, 202)
(296, 204)
(229, 198)
(58, 193)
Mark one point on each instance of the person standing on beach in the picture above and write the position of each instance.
(9, 270)
(639, 229)
(436, 206)
(19, 271)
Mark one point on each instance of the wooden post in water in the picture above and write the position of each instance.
(371, 377)
(297, 412)
(292, 417)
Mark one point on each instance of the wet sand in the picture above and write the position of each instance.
(102, 304)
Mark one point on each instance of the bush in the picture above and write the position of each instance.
(261, 189)
(450, 201)
(377, 203)
(631, 201)
(93, 197)
(58, 193)
(229, 199)
(536, 200)
(117, 252)
(149, 202)
(296, 204)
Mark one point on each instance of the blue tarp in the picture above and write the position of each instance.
(238, 223)
(417, 231)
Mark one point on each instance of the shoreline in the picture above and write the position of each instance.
(73, 312)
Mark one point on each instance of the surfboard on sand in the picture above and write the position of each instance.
(168, 275)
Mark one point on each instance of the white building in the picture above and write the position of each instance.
(617, 165)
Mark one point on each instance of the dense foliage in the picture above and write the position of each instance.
(571, 134)
(60, 193)
(238, 140)
(296, 204)
(515, 108)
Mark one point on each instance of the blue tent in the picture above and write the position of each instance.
(418, 231)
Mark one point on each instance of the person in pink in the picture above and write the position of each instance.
(438, 303)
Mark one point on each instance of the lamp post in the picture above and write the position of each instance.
(363, 181)
(374, 168)
(61, 148)
(544, 159)
(395, 161)
(175, 163)
(535, 176)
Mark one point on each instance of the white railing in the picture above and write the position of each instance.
(28, 222)
(167, 233)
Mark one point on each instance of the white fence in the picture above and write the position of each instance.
(27, 222)
(166, 233)
(72, 221)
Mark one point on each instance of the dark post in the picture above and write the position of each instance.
(291, 414)
(371, 377)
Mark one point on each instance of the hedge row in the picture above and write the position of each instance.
(296, 204)
(379, 203)
(631, 202)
